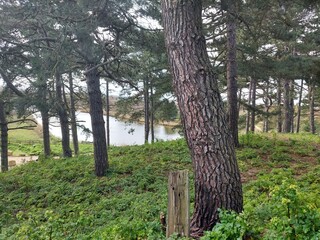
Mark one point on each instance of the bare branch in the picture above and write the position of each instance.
(100, 65)
(23, 120)
(121, 81)
(31, 127)
(9, 83)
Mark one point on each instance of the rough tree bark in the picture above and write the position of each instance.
(63, 117)
(232, 85)
(97, 122)
(4, 138)
(217, 177)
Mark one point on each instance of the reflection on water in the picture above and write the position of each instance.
(121, 133)
(170, 130)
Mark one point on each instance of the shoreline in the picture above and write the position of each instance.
(171, 124)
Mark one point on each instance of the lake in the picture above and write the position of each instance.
(121, 132)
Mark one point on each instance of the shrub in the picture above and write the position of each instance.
(232, 226)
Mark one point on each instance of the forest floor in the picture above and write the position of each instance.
(63, 199)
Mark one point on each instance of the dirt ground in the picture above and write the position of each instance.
(16, 161)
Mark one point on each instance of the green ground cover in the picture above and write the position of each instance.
(62, 199)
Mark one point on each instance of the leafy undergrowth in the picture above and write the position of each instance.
(62, 199)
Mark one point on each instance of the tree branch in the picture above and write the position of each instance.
(23, 127)
(23, 120)
(9, 83)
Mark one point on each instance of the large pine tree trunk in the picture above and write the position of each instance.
(73, 118)
(232, 86)
(4, 138)
(63, 117)
(217, 177)
(299, 107)
(97, 122)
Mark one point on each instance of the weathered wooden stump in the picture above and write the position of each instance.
(178, 204)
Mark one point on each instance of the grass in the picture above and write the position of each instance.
(62, 199)
(21, 135)
(29, 141)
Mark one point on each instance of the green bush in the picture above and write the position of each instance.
(275, 208)
(232, 226)
(295, 214)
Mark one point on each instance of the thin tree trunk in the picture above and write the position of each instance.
(299, 107)
(248, 110)
(311, 108)
(232, 73)
(151, 113)
(73, 117)
(107, 113)
(98, 127)
(44, 111)
(4, 138)
(64, 97)
(279, 101)
(291, 105)
(266, 108)
(239, 101)
(63, 116)
(146, 112)
(45, 133)
(253, 105)
(286, 105)
(217, 177)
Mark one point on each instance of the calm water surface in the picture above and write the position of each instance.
(121, 133)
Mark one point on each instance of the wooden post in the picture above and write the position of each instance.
(178, 204)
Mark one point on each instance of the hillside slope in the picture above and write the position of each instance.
(62, 199)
